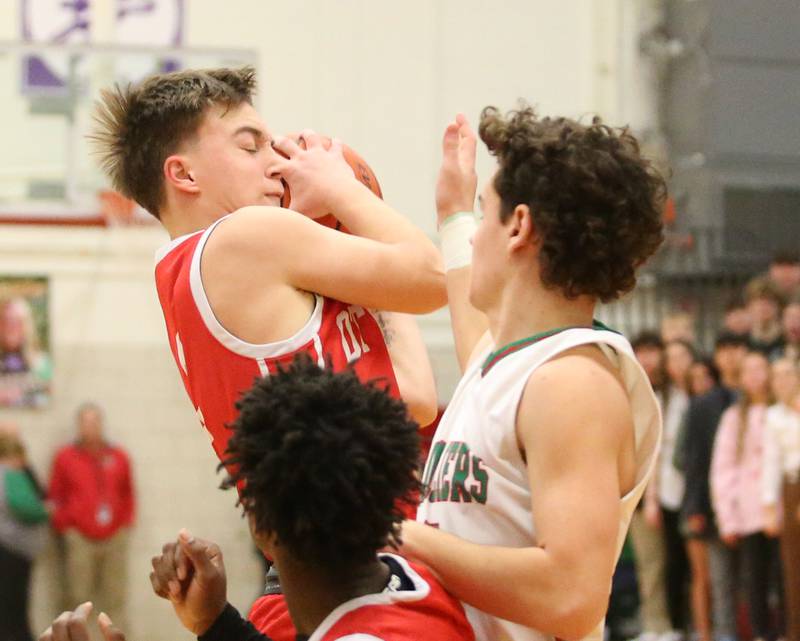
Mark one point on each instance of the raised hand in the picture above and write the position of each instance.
(191, 574)
(73, 626)
(457, 182)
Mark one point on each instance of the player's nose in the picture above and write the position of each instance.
(272, 164)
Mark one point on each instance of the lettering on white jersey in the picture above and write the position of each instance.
(455, 475)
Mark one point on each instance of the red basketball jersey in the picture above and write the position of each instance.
(425, 612)
(216, 367)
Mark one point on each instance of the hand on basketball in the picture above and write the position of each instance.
(457, 182)
(74, 626)
(191, 574)
(317, 176)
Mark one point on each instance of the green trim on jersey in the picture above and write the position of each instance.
(506, 350)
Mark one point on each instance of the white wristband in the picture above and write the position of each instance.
(456, 239)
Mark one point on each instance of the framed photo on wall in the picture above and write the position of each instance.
(25, 363)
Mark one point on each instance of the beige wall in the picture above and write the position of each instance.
(383, 76)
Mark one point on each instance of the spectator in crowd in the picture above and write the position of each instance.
(736, 488)
(764, 302)
(678, 326)
(781, 482)
(669, 479)
(702, 421)
(22, 516)
(646, 534)
(729, 353)
(737, 319)
(91, 488)
(784, 273)
(703, 376)
(703, 381)
(790, 321)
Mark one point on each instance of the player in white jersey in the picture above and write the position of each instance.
(551, 434)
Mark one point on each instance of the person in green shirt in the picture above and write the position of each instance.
(23, 514)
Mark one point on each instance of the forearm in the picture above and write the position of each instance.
(411, 364)
(366, 215)
(523, 585)
(468, 324)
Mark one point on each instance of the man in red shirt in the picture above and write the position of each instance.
(92, 493)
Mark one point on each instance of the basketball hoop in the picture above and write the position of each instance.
(116, 209)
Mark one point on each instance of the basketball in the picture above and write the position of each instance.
(360, 168)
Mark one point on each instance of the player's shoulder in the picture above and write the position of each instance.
(250, 234)
(256, 232)
(579, 369)
(575, 388)
(259, 224)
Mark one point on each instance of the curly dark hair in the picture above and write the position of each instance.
(596, 203)
(138, 126)
(325, 462)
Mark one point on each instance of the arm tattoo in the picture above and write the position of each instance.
(386, 328)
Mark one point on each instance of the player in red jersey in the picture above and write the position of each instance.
(244, 284)
(325, 461)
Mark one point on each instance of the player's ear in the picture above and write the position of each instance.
(521, 230)
(178, 173)
(265, 541)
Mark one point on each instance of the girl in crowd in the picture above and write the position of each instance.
(646, 535)
(670, 479)
(22, 514)
(736, 487)
(703, 378)
(781, 483)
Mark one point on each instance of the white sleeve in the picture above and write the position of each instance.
(771, 473)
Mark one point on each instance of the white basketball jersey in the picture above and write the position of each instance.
(476, 482)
